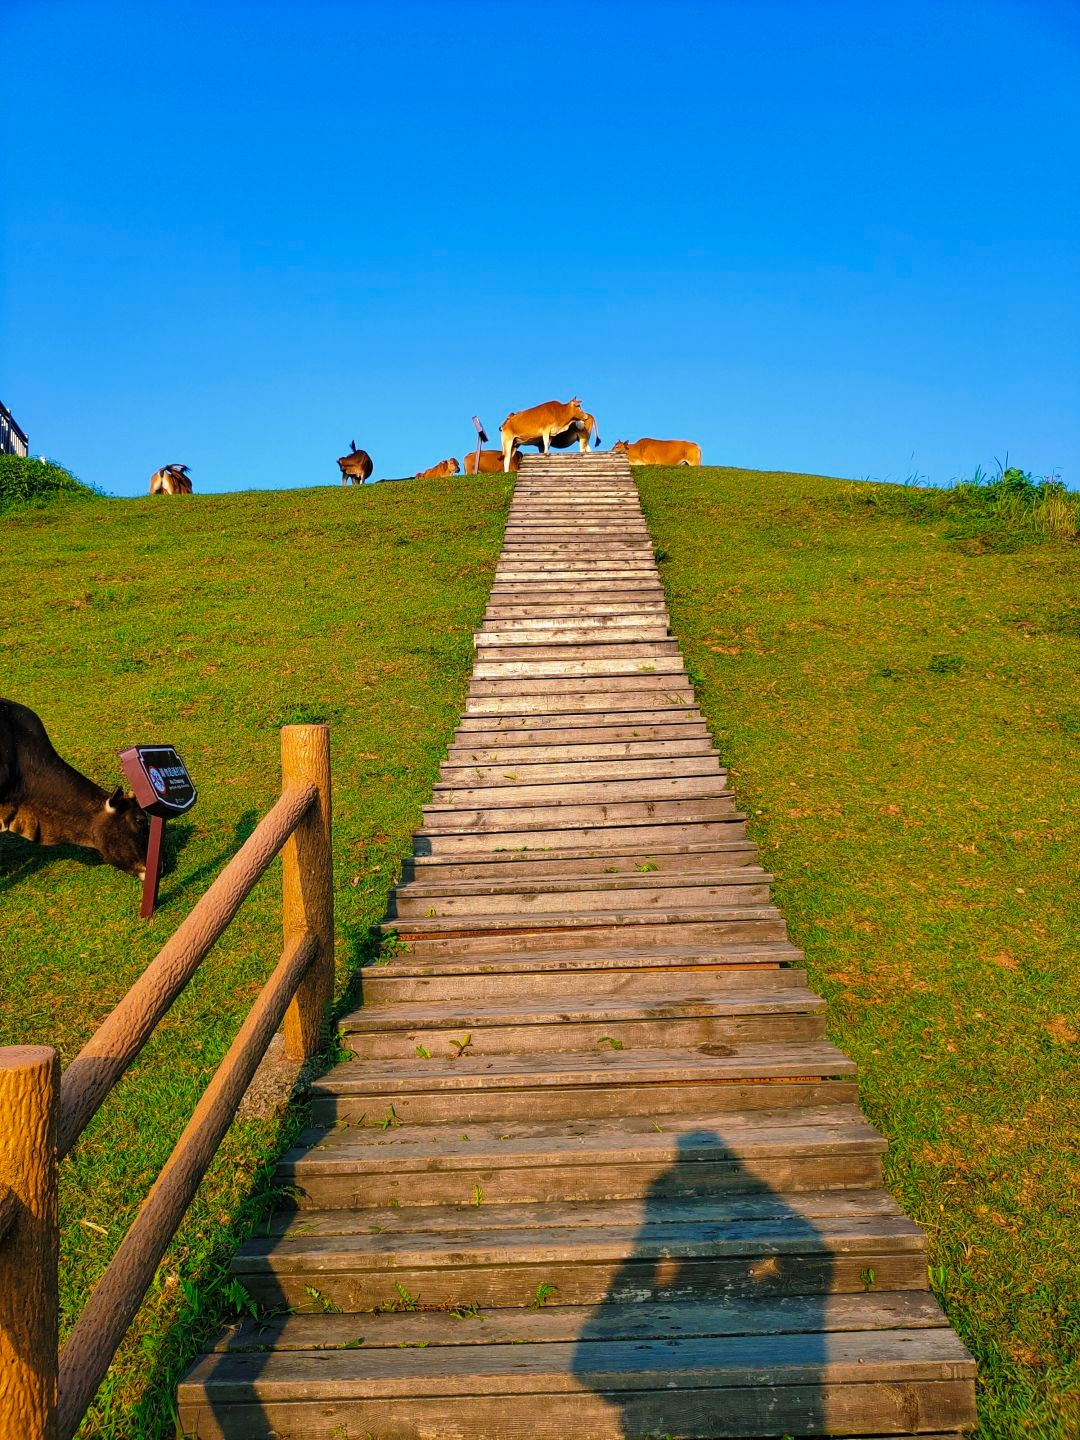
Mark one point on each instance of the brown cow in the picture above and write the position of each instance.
(44, 799)
(491, 462)
(356, 467)
(659, 452)
(170, 480)
(538, 425)
(436, 472)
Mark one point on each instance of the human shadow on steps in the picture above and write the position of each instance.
(726, 1282)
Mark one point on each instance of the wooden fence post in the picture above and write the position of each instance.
(308, 884)
(29, 1246)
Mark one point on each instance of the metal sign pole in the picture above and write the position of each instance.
(153, 867)
(481, 439)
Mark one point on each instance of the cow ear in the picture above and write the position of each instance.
(115, 800)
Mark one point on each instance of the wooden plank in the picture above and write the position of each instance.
(899, 1310)
(603, 1066)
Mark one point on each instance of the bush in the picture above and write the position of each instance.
(24, 480)
(988, 510)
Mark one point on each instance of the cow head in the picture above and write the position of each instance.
(621, 445)
(576, 410)
(121, 833)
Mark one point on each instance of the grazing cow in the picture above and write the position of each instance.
(43, 798)
(170, 480)
(356, 467)
(491, 462)
(659, 452)
(444, 467)
(580, 431)
(538, 425)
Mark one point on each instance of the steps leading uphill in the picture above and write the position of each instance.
(594, 1171)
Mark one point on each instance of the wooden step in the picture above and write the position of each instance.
(645, 722)
(497, 1256)
(654, 727)
(687, 1015)
(714, 857)
(642, 834)
(494, 813)
(657, 890)
(583, 762)
(624, 1157)
(571, 794)
(713, 957)
(605, 1083)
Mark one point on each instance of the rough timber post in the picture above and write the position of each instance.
(308, 884)
(29, 1253)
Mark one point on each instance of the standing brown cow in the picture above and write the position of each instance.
(537, 425)
(356, 467)
(170, 480)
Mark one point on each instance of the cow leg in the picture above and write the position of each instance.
(508, 455)
(546, 438)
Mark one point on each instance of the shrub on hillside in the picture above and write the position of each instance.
(989, 508)
(24, 480)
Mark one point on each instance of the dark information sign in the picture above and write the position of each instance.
(159, 779)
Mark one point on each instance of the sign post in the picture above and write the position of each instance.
(163, 788)
(481, 439)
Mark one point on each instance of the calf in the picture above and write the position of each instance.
(436, 472)
(43, 798)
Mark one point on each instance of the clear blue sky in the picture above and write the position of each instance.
(830, 237)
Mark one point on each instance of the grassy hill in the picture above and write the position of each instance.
(207, 622)
(891, 680)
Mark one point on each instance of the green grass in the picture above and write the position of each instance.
(207, 622)
(25, 481)
(896, 695)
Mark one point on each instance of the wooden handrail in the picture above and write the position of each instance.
(42, 1114)
(9, 1208)
(123, 1033)
(117, 1296)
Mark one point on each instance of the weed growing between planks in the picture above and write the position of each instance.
(207, 622)
(899, 716)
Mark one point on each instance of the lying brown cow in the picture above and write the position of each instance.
(659, 452)
(538, 425)
(491, 462)
(444, 467)
(170, 480)
(356, 467)
(43, 798)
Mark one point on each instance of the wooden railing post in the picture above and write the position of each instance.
(29, 1252)
(308, 884)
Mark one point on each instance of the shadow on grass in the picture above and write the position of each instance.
(177, 836)
(19, 859)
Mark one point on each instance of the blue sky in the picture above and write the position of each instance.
(835, 237)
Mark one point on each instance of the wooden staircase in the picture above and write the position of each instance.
(594, 1173)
